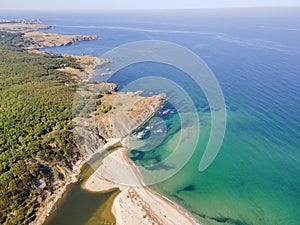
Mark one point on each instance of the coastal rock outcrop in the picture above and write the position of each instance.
(119, 114)
(43, 40)
(100, 114)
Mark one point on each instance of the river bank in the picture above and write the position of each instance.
(82, 172)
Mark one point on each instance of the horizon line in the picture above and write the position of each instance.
(152, 9)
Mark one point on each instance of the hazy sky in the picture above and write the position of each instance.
(136, 4)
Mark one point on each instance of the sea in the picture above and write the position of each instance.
(254, 53)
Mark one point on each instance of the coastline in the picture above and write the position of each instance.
(33, 37)
(158, 208)
(254, 178)
(59, 193)
(136, 203)
(89, 64)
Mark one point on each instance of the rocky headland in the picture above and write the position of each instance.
(29, 31)
(44, 40)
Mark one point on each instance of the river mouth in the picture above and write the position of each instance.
(81, 207)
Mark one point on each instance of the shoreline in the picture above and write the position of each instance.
(142, 199)
(158, 208)
(89, 65)
(59, 194)
(181, 209)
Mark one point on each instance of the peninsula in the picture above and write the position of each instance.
(22, 33)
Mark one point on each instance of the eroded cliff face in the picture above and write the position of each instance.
(125, 112)
(111, 115)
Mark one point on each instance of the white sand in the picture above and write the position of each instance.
(136, 204)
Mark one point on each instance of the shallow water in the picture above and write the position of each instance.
(79, 206)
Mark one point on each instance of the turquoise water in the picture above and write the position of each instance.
(255, 56)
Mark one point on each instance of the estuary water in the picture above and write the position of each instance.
(255, 56)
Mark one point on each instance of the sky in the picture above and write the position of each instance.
(136, 4)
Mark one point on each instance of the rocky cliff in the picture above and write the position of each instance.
(101, 113)
(119, 114)
(43, 40)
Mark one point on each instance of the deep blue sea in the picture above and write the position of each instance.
(255, 56)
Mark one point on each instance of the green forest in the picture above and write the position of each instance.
(35, 129)
(14, 39)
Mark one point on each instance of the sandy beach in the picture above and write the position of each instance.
(136, 204)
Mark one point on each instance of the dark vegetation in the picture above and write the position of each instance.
(103, 109)
(14, 39)
(36, 140)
